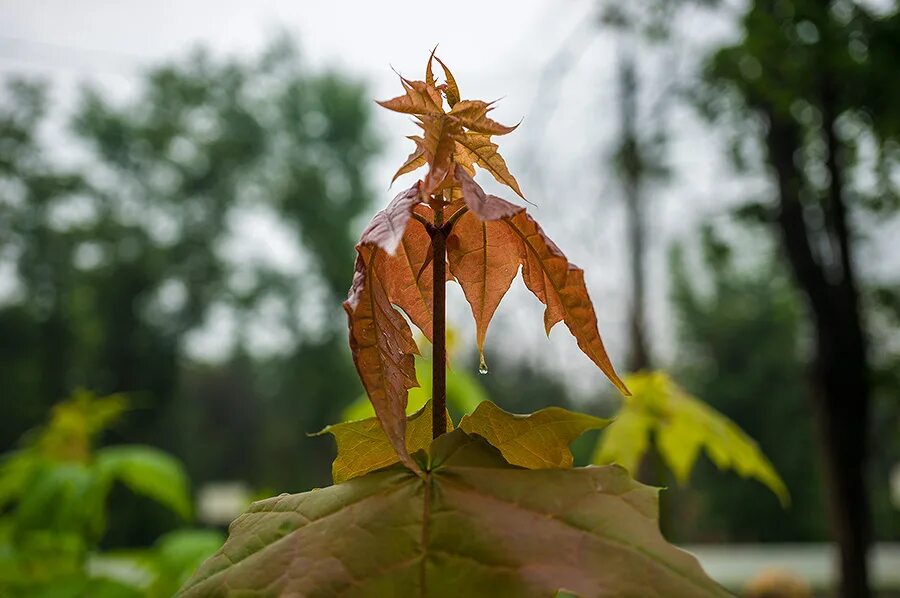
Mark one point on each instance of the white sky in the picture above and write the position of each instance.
(496, 49)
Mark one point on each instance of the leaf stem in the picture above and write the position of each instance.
(456, 216)
(439, 323)
(419, 218)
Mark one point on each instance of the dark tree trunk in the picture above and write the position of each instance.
(632, 169)
(839, 376)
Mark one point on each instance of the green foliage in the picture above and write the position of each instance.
(148, 471)
(740, 348)
(471, 521)
(679, 426)
(118, 258)
(54, 495)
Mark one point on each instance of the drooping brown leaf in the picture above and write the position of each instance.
(484, 258)
(472, 526)
(380, 339)
(407, 275)
(383, 348)
(484, 254)
(560, 286)
(486, 207)
(387, 226)
(472, 114)
(486, 156)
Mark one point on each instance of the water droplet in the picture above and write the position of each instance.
(482, 366)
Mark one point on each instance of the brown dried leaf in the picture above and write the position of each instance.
(473, 115)
(383, 348)
(560, 286)
(407, 275)
(387, 226)
(484, 258)
(486, 156)
(486, 207)
(380, 339)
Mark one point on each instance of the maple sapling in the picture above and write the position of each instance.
(481, 239)
(495, 506)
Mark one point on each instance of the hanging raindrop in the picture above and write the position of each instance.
(482, 366)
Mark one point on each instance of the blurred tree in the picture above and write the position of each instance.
(136, 244)
(817, 81)
(740, 329)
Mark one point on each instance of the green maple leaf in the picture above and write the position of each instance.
(470, 524)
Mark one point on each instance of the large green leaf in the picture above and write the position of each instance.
(683, 425)
(149, 472)
(473, 525)
(538, 440)
(362, 446)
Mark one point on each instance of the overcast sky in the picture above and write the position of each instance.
(496, 49)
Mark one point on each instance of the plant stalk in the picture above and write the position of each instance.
(439, 328)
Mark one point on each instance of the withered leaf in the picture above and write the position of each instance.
(387, 226)
(547, 272)
(380, 339)
(484, 254)
(560, 286)
(383, 348)
(484, 259)
(407, 275)
(486, 207)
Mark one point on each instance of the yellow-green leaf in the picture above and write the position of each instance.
(683, 426)
(539, 440)
(362, 446)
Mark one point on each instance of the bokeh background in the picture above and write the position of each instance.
(182, 184)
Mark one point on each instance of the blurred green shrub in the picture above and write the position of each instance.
(53, 506)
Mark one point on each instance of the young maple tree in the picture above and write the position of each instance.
(494, 507)
(446, 219)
